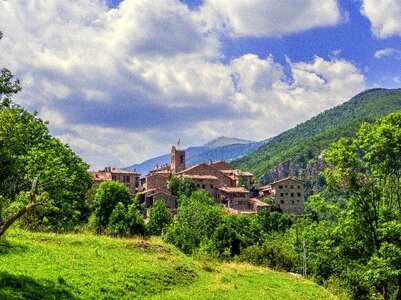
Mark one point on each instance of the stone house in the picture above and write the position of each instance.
(287, 194)
(219, 179)
(128, 178)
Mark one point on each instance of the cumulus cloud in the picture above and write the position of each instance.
(120, 85)
(388, 52)
(263, 18)
(384, 16)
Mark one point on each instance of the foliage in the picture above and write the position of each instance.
(160, 217)
(181, 187)
(364, 237)
(28, 151)
(125, 221)
(108, 195)
(196, 219)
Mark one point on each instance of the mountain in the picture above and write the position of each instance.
(221, 148)
(299, 151)
(226, 141)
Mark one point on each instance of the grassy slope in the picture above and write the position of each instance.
(48, 266)
(306, 141)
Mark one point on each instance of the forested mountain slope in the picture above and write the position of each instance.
(298, 150)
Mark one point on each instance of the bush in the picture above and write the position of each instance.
(159, 218)
(108, 195)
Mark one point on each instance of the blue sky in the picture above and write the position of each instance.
(120, 81)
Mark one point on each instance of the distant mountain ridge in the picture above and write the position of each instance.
(298, 151)
(221, 148)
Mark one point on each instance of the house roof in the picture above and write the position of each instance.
(285, 179)
(259, 203)
(265, 187)
(209, 177)
(119, 171)
(237, 173)
(101, 176)
(238, 190)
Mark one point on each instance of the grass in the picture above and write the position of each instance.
(79, 266)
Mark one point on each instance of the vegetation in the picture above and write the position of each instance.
(97, 267)
(299, 147)
(116, 211)
(29, 152)
(159, 218)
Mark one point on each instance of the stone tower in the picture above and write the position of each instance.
(177, 160)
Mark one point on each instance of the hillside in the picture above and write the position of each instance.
(222, 148)
(297, 151)
(49, 266)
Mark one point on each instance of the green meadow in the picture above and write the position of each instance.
(85, 266)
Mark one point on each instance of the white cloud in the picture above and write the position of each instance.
(263, 18)
(121, 85)
(385, 16)
(388, 52)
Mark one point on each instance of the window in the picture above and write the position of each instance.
(286, 194)
(211, 186)
(299, 187)
(282, 194)
(136, 183)
(299, 194)
(293, 202)
(292, 194)
(285, 186)
(292, 186)
(282, 201)
(280, 187)
(114, 177)
(198, 185)
(182, 158)
(203, 186)
(127, 178)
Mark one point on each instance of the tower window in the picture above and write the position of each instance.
(182, 158)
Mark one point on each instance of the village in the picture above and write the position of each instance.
(233, 188)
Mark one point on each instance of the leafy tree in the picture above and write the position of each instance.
(28, 151)
(108, 195)
(196, 220)
(367, 171)
(174, 185)
(125, 221)
(159, 217)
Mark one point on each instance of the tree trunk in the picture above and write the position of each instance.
(399, 289)
(22, 211)
(385, 292)
(1, 216)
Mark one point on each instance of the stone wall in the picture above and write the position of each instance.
(157, 181)
(289, 196)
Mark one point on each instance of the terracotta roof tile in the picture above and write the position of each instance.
(240, 190)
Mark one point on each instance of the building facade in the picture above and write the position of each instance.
(130, 179)
(287, 194)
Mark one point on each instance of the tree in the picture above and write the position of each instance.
(196, 220)
(108, 195)
(125, 221)
(367, 171)
(28, 151)
(159, 217)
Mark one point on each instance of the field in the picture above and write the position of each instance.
(84, 266)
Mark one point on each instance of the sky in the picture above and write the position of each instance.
(121, 81)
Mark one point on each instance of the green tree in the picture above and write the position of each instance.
(159, 217)
(108, 195)
(196, 220)
(28, 151)
(126, 221)
(367, 171)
